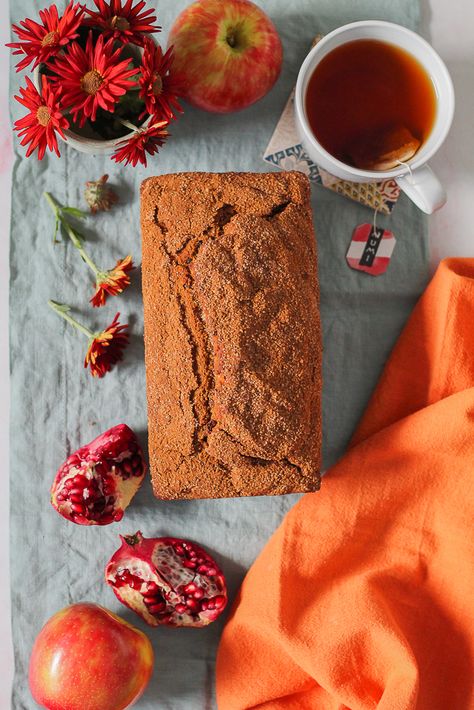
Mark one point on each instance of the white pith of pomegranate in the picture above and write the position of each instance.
(167, 581)
(98, 481)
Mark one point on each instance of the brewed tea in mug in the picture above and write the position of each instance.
(368, 98)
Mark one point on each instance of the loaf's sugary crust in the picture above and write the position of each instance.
(232, 334)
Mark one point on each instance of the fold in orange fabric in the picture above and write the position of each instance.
(364, 597)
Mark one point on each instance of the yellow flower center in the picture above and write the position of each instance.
(91, 82)
(50, 38)
(119, 23)
(157, 85)
(43, 115)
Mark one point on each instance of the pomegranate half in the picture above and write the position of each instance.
(98, 481)
(167, 581)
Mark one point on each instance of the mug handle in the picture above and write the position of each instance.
(423, 188)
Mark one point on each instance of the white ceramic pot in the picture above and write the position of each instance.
(91, 146)
(418, 181)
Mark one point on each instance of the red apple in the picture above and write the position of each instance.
(86, 658)
(227, 54)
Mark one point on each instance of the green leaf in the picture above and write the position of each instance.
(74, 212)
(59, 307)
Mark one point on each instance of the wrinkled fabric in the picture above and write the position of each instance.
(363, 597)
(57, 406)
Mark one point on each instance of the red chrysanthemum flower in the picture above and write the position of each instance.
(127, 23)
(158, 87)
(113, 282)
(92, 78)
(145, 140)
(39, 126)
(106, 348)
(41, 42)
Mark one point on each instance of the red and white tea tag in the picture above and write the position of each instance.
(370, 249)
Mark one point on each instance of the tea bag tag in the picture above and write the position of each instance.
(371, 248)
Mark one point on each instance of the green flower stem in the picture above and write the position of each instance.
(72, 234)
(63, 311)
(127, 124)
(98, 272)
(52, 202)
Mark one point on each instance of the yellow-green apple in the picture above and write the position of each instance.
(227, 54)
(86, 658)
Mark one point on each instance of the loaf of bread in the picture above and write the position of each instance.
(232, 334)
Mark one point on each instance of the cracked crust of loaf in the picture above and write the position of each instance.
(232, 334)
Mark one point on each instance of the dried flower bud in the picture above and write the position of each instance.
(99, 196)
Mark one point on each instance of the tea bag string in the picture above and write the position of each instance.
(408, 167)
(374, 223)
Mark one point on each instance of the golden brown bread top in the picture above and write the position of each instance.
(232, 334)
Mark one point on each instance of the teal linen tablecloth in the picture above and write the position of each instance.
(57, 406)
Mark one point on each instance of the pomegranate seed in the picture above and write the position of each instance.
(80, 480)
(127, 467)
(189, 564)
(219, 601)
(211, 572)
(193, 604)
(118, 515)
(152, 588)
(150, 598)
(202, 569)
(190, 588)
(198, 594)
(192, 555)
(80, 519)
(106, 519)
(69, 483)
(204, 604)
(76, 491)
(136, 462)
(76, 498)
(135, 584)
(179, 550)
(78, 507)
(180, 608)
(157, 608)
(211, 605)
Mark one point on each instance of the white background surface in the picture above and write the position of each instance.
(449, 24)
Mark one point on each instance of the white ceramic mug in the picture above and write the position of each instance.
(418, 181)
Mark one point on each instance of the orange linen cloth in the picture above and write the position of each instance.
(364, 597)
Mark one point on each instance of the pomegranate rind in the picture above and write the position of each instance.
(97, 482)
(183, 595)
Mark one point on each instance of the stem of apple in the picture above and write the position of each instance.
(231, 38)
